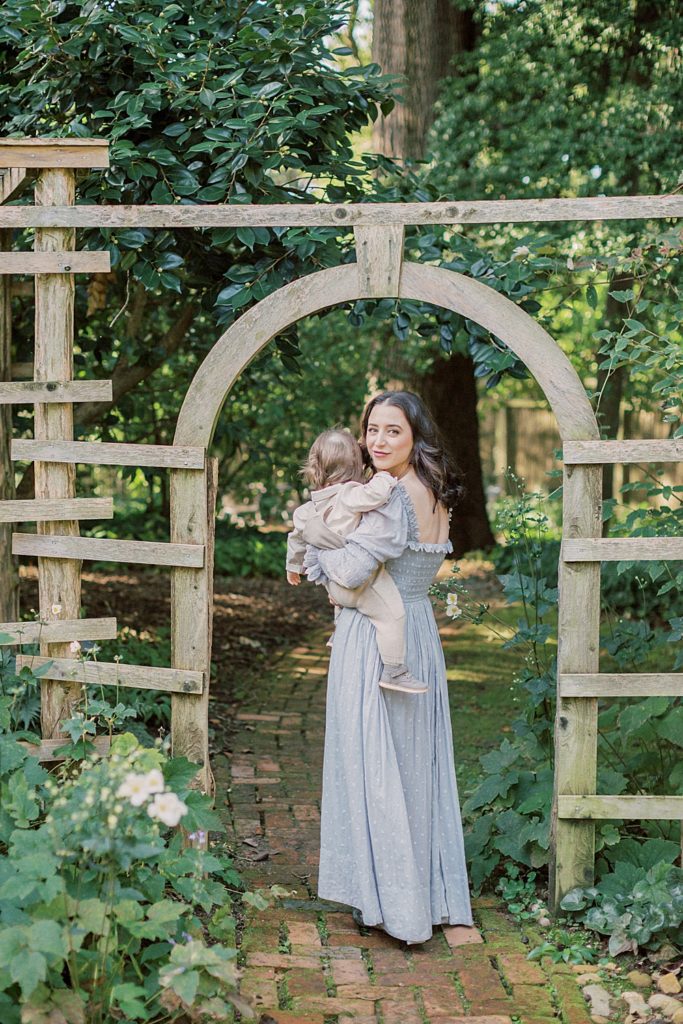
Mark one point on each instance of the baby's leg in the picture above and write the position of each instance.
(383, 605)
(344, 596)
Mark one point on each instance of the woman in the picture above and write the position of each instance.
(391, 836)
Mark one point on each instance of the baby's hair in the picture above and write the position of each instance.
(335, 457)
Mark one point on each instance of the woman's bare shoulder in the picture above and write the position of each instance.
(432, 521)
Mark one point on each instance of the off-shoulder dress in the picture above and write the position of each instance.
(391, 840)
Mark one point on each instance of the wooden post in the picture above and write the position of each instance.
(193, 513)
(59, 580)
(576, 720)
(9, 591)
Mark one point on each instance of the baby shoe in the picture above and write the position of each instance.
(399, 677)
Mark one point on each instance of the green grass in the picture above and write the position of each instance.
(483, 699)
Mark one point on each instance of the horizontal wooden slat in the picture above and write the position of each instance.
(31, 391)
(662, 808)
(57, 631)
(55, 262)
(622, 684)
(104, 453)
(24, 370)
(618, 549)
(101, 549)
(97, 673)
(46, 750)
(493, 211)
(50, 510)
(54, 153)
(607, 452)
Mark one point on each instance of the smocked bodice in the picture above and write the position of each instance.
(414, 570)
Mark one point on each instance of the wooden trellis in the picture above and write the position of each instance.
(380, 272)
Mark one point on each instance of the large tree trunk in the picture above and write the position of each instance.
(9, 582)
(418, 41)
(451, 394)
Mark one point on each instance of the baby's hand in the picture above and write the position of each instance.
(294, 578)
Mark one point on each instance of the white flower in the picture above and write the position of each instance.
(56, 609)
(521, 252)
(167, 808)
(74, 647)
(155, 781)
(135, 789)
(453, 611)
(570, 263)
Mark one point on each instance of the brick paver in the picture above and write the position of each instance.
(304, 960)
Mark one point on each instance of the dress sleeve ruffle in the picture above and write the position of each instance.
(381, 536)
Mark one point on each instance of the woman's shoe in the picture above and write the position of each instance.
(357, 917)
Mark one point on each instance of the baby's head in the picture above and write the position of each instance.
(335, 457)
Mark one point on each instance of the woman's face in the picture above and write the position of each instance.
(389, 439)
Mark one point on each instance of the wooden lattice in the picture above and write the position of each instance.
(380, 272)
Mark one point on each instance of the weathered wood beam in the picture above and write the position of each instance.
(621, 684)
(57, 631)
(45, 750)
(650, 450)
(83, 262)
(59, 580)
(502, 211)
(44, 510)
(38, 153)
(619, 549)
(650, 808)
(103, 673)
(30, 392)
(96, 453)
(101, 549)
(379, 255)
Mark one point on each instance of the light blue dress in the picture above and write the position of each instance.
(391, 839)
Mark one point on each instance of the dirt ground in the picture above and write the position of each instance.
(253, 618)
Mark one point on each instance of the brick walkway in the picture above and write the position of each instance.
(305, 961)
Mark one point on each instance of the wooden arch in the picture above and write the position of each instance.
(379, 272)
(242, 342)
(56, 510)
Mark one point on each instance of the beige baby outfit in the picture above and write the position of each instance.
(341, 506)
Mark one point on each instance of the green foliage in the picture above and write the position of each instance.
(564, 99)
(99, 900)
(635, 904)
(246, 551)
(639, 740)
(234, 102)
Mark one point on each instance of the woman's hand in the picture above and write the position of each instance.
(294, 578)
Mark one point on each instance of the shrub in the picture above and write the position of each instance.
(100, 895)
(639, 740)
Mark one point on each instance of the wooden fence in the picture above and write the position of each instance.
(379, 271)
(523, 436)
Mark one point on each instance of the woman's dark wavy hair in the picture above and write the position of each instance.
(429, 458)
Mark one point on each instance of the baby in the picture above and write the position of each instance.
(334, 471)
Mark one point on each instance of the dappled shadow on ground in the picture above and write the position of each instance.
(252, 617)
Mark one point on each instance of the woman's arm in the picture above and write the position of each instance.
(381, 535)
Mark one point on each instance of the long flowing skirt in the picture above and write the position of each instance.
(391, 833)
